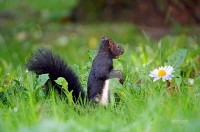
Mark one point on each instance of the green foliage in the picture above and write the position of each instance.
(41, 80)
(177, 59)
(51, 5)
(61, 81)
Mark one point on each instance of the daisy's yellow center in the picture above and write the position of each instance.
(161, 73)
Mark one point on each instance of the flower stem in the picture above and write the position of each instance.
(168, 83)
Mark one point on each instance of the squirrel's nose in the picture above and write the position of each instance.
(122, 50)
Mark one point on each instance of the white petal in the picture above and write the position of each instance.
(167, 78)
(160, 68)
(153, 73)
(167, 68)
(170, 69)
(163, 79)
(156, 78)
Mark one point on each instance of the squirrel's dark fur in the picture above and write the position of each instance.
(102, 70)
(44, 61)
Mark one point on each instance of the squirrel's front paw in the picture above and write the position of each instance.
(121, 80)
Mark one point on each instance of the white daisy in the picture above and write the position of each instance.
(162, 72)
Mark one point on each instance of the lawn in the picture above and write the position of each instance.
(138, 105)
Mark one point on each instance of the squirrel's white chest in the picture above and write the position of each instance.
(105, 97)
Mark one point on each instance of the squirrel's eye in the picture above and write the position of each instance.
(118, 46)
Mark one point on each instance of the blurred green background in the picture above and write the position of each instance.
(25, 25)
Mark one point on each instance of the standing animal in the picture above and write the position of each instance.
(44, 61)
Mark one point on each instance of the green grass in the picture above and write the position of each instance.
(144, 105)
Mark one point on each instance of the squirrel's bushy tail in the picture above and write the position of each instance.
(44, 61)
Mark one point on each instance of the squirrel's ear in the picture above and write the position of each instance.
(104, 38)
(110, 44)
(108, 41)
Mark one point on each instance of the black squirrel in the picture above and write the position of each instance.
(44, 61)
